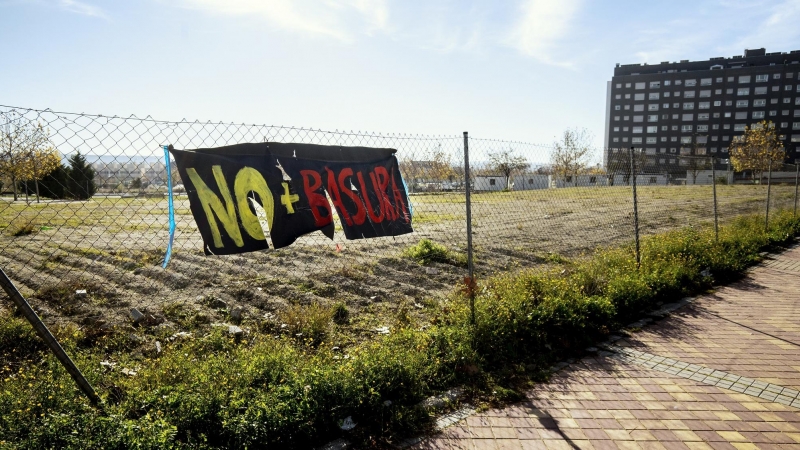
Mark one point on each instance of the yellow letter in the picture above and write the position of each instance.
(249, 179)
(211, 204)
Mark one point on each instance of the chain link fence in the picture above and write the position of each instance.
(89, 261)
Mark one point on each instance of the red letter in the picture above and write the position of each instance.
(374, 218)
(399, 200)
(336, 198)
(380, 181)
(315, 199)
(360, 215)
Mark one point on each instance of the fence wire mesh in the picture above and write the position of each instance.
(86, 251)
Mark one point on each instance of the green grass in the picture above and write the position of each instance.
(271, 389)
(427, 251)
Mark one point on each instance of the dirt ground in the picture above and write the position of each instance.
(112, 248)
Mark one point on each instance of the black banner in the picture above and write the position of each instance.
(298, 186)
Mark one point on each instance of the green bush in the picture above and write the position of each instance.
(214, 391)
(427, 251)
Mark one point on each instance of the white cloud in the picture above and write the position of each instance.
(82, 8)
(541, 25)
(339, 19)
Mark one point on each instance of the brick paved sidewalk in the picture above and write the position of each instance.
(721, 372)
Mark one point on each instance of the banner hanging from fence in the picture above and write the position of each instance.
(298, 186)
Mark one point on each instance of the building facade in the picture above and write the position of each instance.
(674, 111)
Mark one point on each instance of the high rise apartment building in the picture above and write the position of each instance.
(673, 110)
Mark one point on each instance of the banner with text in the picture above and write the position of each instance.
(297, 187)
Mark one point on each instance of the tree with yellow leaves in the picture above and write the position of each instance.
(757, 148)
(40, 163)
(22, 143)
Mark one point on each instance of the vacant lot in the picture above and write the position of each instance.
(112, 247)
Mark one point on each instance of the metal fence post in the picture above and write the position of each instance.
(796, 179)
(635, 208)
(769, 188)
(714, 189)
(470, 266)
(50, 340)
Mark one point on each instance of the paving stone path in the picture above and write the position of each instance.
(721, 372)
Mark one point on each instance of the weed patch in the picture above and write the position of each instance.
(427, 251)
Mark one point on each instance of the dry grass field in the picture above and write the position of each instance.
(112, 247)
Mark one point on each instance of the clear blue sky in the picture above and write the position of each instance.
(517, 69)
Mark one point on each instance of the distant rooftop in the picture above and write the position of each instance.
(751, 58)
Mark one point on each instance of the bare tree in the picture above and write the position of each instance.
(22, 142)
(572, 154)
(697, 161)
(507, 162)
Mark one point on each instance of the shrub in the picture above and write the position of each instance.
(427, 251)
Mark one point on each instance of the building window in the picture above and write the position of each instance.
(673, 139)
(625, 129)
(759, 102)
(760, 90)
(704, 105)
(688, 117)
(616, 139)
(742, 103)
(797, 101)
(705, 82)
(762, 78)
(715, 126)
(627, 96)
(675, 116)
(652, 96)
(627, 85)
(784, 124)
(666, 82)
(787, 100)
(686, 139)
(665, 116)
(616, 107)
(616, 118)
(728, 103)
(666, 94)
(688, 106)
(744, 79)
(714, 138)
(666, 105)
(691, 83)
(743, 91)
(638, 107)
(638, 97)
(627, 107)
(776, 88)
(652, 129)
(637, 129)
(626, 117)
(741, 115)
(640, 85)
(624, 139)
(716, 115)
(726, 138)
(616, 128)
(652, 118)
(655, 84)
(618, 96)
(702, 128)
(773, 113)
(776, 76)
(726, 126)
(796, 138)
(739, 127)
(718, 91)
(688, 94)
(705, 93)
(638, 118)
(677, 82)
(702, 116)
(796, 125)
(717, 103)
(663, 139)
(685, 128)
(619, 85)
(758, 114)
(651, 140)
(636, 140)
(491, 181)
(652, 107)
(788, 87)
(676, 105)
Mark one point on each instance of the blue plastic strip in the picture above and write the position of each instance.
(408, 200)
(171, 209)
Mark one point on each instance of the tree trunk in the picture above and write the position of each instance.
(36, 183)
(14, 186)
(26, 192)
